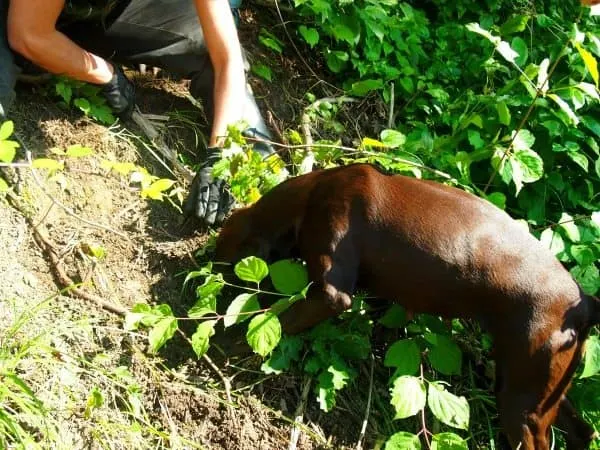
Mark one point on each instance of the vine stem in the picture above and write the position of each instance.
(352, 150)
(538, 92)
(424, 429)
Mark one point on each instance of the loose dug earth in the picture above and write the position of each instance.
(171, 400)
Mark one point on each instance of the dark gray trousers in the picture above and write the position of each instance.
(161, 33)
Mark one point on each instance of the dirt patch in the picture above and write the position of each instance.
(147, 254)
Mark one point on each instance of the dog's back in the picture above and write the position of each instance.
(432, 243)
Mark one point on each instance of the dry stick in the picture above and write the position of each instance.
(308, 160)
(50, 250)
(299, 415)
(363, 430)
(392, 100)
(154, 136)
(226, 381)
(526, 116)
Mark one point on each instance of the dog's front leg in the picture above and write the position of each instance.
(332, 263)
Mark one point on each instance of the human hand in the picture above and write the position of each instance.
(120, 94)
(209, 199)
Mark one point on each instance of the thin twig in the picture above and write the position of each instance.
(39, 234)
(308, 66)
(392, 100)
(299, 415)
(226, 384)
(363, 429)
(423, 423)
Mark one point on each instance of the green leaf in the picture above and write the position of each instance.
(532, 165)
(403, 440)
(507, 52)
(251, 269)
(408, 396)
(579, 159)
(8, 150)
(553, 241)
(523, 140)
(6, 129)
(262, 71)
(448, 441)
(3, 186)
(498, 199)
(264, 333)
(201, 338)
(588, 278)
(447, 407)
(564, 106)
(515, 24)
(336, 60)
(503, 113)
(83, 104)
(370, 142)
(156, 189)
(271, 42)
(520, 46)
(589, 89)
(287, 351)
(288, 276)
(65, 91)
(590, 62)
(475, 139)
(543, 83)
(444, 355)
(394, 317)
(95, 400)
(405, 356)
(567, 223)
(326, 391)
(161, 332)
(207, 297)
(393, 138)
(77, 151)
(134, 317)
(363, 87)
(591, 364)
(583, 254)
(310, 35)
(48, 164)
(243, 303)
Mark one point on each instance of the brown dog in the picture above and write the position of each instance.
(438, 250)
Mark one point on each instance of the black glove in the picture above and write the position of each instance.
(209, 199)
(120, 94)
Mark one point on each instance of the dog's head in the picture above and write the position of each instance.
(238, 239)
(243, 235)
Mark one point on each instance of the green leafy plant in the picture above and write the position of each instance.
(85, 97)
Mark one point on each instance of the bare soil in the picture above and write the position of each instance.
(148, 253)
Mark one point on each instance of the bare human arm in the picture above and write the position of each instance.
(220, 34)
(32, 33)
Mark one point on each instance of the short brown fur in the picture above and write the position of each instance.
(433, 249)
